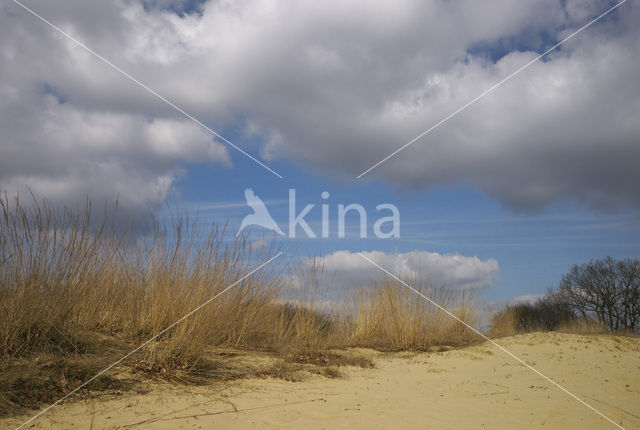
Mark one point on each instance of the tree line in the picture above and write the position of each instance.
(605, 291)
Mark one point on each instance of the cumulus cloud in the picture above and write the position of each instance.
(345, 269)
(62, 153)
(332, 85)
(64, 148)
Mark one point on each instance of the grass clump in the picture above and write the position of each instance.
(71, 288)
(389, 316)
(76, 295)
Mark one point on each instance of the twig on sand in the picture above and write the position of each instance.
(614, 407)
(205, 414)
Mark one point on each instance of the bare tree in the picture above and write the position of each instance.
(607, 290)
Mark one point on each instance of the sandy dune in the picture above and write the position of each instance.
(477, 387)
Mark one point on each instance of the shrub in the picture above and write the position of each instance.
(545, 314)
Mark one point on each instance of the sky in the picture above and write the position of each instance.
(502, 198)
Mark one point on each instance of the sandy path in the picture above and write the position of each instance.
(478, 387)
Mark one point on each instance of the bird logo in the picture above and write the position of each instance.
(260, 215)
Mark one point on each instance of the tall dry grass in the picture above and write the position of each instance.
(62, 278)
(76, 294)
(300, 320)
(390, 316)
(504, 322)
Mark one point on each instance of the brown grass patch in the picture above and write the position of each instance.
(76, 295)
(389, 316)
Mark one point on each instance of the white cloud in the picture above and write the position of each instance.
(333, 85)
(63, 145)
(65, 153)
(344, 269)
(525, 299)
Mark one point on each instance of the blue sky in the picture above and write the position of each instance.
(533, 250)
(503, 197)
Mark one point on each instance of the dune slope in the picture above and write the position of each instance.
(476, 387)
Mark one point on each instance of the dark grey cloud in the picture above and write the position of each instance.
(334, 86)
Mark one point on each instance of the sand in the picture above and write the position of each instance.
(475, 387)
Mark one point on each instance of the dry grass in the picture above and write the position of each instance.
(66, 285)
(582, 326)
(301, 324)
(508, 321)
(504, 323)
(76, 295)
(61, 279)
(389, 316)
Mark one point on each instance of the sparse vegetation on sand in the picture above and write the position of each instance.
(76, 295)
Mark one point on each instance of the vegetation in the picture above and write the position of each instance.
(389, 316)
(598, 296)
(545, 314)
(606, 290)
(77, 294)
